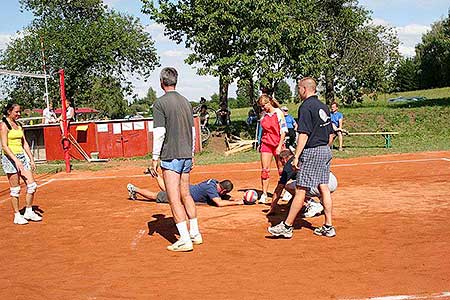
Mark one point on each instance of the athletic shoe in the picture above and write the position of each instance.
(281, 230)
(131, 191)
(263, 199)
(19, 219)
(313, 209)
(32, 216)
(287, 196)
(181, 246)
(325, 231)
(197, 239)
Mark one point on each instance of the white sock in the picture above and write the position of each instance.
(193, 227)
(17, 214)
(183, 230)
(28, 210)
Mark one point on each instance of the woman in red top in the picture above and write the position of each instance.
(271, 140)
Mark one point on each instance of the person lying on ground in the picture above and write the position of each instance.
(211, 191)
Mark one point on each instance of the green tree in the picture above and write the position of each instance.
(241, 39)
(283, 92)
(358, 56)
(246, 92)
(406, 75)
(92, 44)
(433, 56)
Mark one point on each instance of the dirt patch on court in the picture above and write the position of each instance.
(393, 238)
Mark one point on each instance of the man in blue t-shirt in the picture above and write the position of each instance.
(291, 126)
(336, 120)
(211, 191)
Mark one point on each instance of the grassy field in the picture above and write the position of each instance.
(423, 126)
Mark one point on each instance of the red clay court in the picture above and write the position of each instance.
(392, 215)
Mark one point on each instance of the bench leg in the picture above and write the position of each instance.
(387, 141)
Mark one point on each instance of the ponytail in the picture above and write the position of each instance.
(6, 110)
(6, 123)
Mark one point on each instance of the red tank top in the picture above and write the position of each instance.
(270, 129)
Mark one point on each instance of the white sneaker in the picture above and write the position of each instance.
(19, 219)
(32, 216)
(131, 191)
(263, 199)
(197, 239)
(181, 246)
(287, 196)
(313, 209)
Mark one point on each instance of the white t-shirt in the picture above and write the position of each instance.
(49, 116)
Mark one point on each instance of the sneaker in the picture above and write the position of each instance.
(131, 191)
(313, 209)
(197, 239)
(281, 230)
(19, 219)
(263, 199)
(32, 216)
(325, 231)
(287, 196)
(181, 246)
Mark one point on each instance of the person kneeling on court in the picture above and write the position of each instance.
(211, 191)
(311, 208)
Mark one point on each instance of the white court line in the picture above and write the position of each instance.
(39, 185)
(136, 239)
(442, 295)
(250, 170)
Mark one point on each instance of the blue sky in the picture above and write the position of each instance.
(410, 18)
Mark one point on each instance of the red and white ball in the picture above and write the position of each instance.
(250, 197)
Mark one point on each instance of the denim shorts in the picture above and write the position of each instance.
(9, 166)
(183, 165)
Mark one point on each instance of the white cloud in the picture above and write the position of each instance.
(175, 53)
(409, 35)
(110, 3)
(5, 39)
(157, 32)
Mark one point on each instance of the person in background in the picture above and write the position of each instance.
(49, 115)
(204, 116)
(291, 126)
(70, 115)
(337, 119)
(223, 115)
(252, 117)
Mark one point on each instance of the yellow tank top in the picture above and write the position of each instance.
(15, 140)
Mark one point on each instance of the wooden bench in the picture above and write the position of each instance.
(386, 134)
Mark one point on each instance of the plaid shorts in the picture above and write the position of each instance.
(314, 167)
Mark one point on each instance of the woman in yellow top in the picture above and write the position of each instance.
(17, 162)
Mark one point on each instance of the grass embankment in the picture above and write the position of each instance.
(423, 126)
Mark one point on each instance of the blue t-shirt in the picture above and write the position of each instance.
(335, 117)
(290, 121)
(205, 191)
